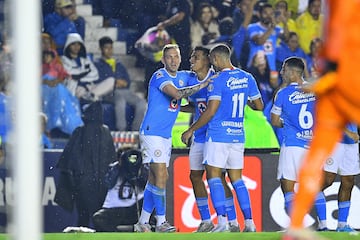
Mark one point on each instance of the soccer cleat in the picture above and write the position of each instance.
(165, 227)
(220, 228)
(205, 227)
(250, 228)
(324, 229)
(346, 228)
(139, 227)
(234, 227)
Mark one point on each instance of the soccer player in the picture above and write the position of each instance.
(337, 105)
(200, 64)
(166, 88)
(224, 147)
(292, 110)
(344, 162)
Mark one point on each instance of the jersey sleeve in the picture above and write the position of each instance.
(215, 89)
(254, 92)
(277, 106)
(159, 80)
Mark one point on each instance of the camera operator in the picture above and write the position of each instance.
(126, 181)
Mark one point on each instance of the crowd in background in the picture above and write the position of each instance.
(261, 35)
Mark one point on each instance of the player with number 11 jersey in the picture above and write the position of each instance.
(233, 87)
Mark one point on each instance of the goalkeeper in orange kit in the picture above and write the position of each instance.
(338, 103)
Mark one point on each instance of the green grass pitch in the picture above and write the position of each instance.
(182, 236)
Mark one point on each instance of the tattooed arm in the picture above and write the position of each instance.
(179, 93)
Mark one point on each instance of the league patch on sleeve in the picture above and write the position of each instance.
(159, 74)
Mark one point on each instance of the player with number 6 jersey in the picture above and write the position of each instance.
(292, 110)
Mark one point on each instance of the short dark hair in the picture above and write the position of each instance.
(205, 50)
(263, 5)
(222, 49)
(295, 62)
(105, 40)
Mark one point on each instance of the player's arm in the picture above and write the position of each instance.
(353, 135)
(210, 111)
(276, 120)
(185, 92)
(256, 104)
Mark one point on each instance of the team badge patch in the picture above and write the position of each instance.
(329, 161)
(210, 88)
(157, 153)
(159, 75)
(173, 103)
(181, 83)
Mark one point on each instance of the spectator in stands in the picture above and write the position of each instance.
(309, 24)
(289, 48)
(5, 71)
(59, 105)
(313, 60)
(260, 69)
(110, 67)
(242, 8)
(125, 180)
(226, 28)
(283, 15)
(5, 113)
(83, 165)
(79, 21)
(239, 43)
(45, 138)
(84, 82)
(178, 25)
(204, 28)
(58, 23)
(264, 35)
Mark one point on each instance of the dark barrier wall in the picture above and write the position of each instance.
(259, 176)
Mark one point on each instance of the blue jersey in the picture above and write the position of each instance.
(233, 87)
(200, 101)
(296, 108)
(163, 109)
(346, 139)
(269, 47)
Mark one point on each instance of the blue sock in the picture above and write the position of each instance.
(320, 206)
(344, 208)
(243, 198)
(217, 194)
(289, 196)
(203, 207)
(148, 203)
(230, 208)
(159, 198)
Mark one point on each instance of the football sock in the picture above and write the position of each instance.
(203, 207)
(217, 194)
(230, 209)
(289, 197)
(320, 206)
(243, 198)
(344, 208)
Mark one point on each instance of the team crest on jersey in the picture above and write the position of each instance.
(201, 107)
(157, 153)
(329, 161)
(210, 88)
(159, 75)
(173, 103)
(181, 83)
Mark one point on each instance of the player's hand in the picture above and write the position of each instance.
(186, 136)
